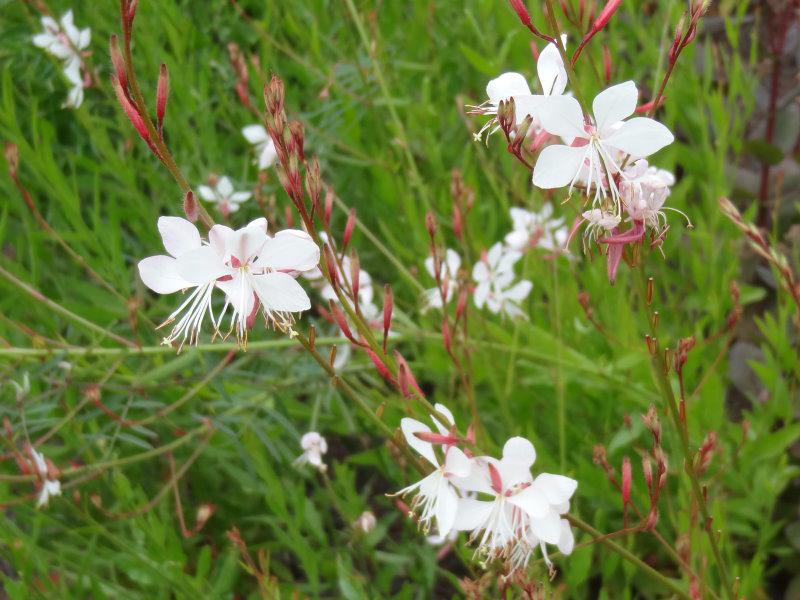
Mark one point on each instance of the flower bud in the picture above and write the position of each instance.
(130, 110)
(626, 481)
(326, 218)
(190, 206)
(607, 64)
(430, 224)
(388, 307)
(348, 228)
(355, 276)
(117, 62)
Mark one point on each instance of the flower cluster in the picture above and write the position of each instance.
(495, 285)
(255, 271)
(66, 42)
(602, 154)
(507, 511)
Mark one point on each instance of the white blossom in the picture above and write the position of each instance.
(448, 272)
(494, 276)
(258, 136)
(314, 447)
(223, 194)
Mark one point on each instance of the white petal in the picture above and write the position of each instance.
(614, 104)
(74, 97)
(453, 261)
(206, 193)
(562, 116)
(640, 137)
(267, 155)
(505, 86)
(566, 541)
(218, 239)
(456, 462)
(446, 508)
(557, 166)
(532, 501)
(425, 449)
(557, 488)
(480, 271)
(519, 292)
(43, 40)
(245, 243)
(289, 250)
(478, 479)
(240, 197)
(441, 408)
(481, 294)
(179, 235)
(280, 292)
(517, 239)
(241, 297)
(202, 265)
(84, 39)
(472, 514)
(551, 71)
(547, 528)
(224, 187)
(255, 134)
(72, 71)
(160, 274)
(260, 222)
(527, 106)
(520, 450)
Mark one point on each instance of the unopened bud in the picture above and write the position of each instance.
(607, 64)
(190, 206)
(348, 228)
(626, 480)
(298, 139)
(12, 157)
(430, 224)
(355, 276)
(326, 218)
(117, 62)
(274, 96)
(388, 307)
(130, 110)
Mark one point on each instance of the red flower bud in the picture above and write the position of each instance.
(130, 110)
(190, 206)
(430, 224)
(348, 228)
(326, 217)
(117, 62)
(626, 480)
(388, 307)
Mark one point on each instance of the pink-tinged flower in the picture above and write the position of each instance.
(524, 511)
(644, 190)
(448, 271)
(314, 446)
(435, 495)
(257, 273)
(494, 276)
(265, 149)
(536, 229)
(163, 275)
(223, 194)
(595, 147)
(66, 42)
(62, 39)
(366, 521)
(599, 224)
(552, 76)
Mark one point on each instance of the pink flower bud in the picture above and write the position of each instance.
(330, 266)
(340, 320)
(130, 110)
(402, 364)
(607, 64)
(190, 206)
(457, 222)
(162, 92)
(430, 224)
(447, 339)
(379, 364)
(626, 481)
(605, 15)
(326, 218)
(117, 62)
(355, 277)
(348, 228)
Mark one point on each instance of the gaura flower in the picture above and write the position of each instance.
(435, 495)
(595, 147)
(164, 275)
(49, 486)
(223, 194)
(494, 276)
(448, 272)
(552, 76)
(314, 446)
(523, 509)
(257, 273)
(536, 229)
(265, 149)
(66, 42)
(366, 521)
(644, 190)
(62, 39)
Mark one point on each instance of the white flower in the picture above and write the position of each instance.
(536, 229)
(448, 270)
(552, 76)
(592, 147)
(50, 487)
(256, 272)
(435, 495)
(164, 275)
(494, 275)
(66, 42)
(644, 191)
(314, 446)
(523, 510)
(366, 521)
(223, 194)
(258, 136)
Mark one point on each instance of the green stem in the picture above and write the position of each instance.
(556, 34)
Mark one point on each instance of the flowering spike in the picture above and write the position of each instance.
(162, 93)
(348, 228)
(190, 206)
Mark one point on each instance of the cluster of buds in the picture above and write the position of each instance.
(655, 480)
(683, 37)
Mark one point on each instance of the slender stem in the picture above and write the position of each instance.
(660, 368)
(629, 556)
(55, 307)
